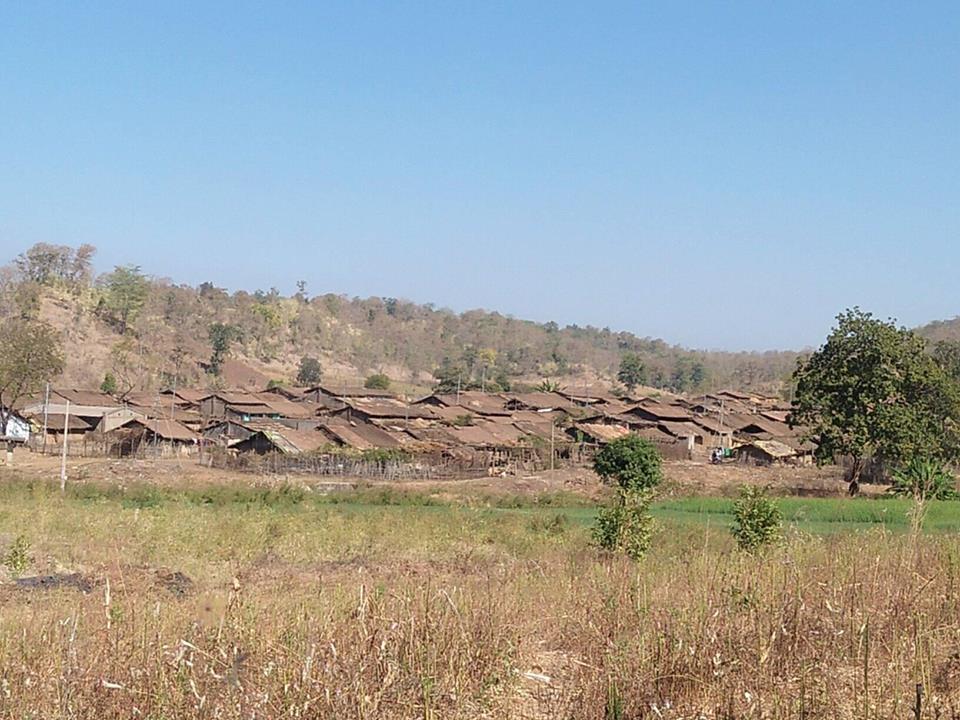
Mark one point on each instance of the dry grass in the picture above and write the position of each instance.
(295, 609)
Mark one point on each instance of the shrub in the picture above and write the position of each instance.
(109, 384)
(924, 480)
(627, 525)
(17, 557)
(757, 519)
(309, 371)
(377, 381)
(631, 461)
(555, 525)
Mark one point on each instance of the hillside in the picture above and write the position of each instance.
(148, 332)
(941, 330)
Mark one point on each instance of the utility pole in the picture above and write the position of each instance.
(721, 422)
(63, 457)
(46, 404)
(173, 397)
(553, 427)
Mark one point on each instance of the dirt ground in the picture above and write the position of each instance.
(681, 477)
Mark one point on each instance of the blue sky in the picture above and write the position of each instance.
(722, 175)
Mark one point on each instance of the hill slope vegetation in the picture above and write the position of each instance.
(147, 332)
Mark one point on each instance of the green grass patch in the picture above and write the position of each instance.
(819, 515)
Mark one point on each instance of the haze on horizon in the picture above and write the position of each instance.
(723, 178)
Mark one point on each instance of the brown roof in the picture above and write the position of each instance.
(288, 408)
(258, 408)
(55, 422)
(233, 397)
(357, 435)
(478, 402)
(288, 391)
(736, 421)
(655, 434)
(614, 407)
(351, 391)
(476, 436)
(588, 394)
(191, 396)
(179, 414)
(540, 430)
(659, 411)
(147, 399)
(388, 407)
(630, 420)
(736, 395)
(602, 433)
(538, 400)
(505, 433)
(779, 416)
(83, 397)
(762, 425)
(451, 414)
(167, 429)
(773, 448)
(711, 425)
(152, 405)
(713, 404)
(681, 429)
(264, 404)
(289, 441)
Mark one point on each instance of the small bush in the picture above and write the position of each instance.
(758, 521)
(924, 480)
(109, 384)
(555, 525)
(627, 526)
(377, 381)
(17, 558)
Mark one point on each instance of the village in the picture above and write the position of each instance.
(461, 433)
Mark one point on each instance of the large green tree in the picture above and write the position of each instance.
(632, 371)
(309, 371)
(222, 336)
(126, 292)
(872, 391)
(30, 355)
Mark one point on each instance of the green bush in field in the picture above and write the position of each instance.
(634, 464)
(631, 461)
(758, 521)
(17, 557)
(924, 480)
(626, 526)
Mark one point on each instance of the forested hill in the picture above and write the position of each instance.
(941, 330)
(146, 331)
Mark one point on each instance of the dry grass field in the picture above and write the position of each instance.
(190, 599)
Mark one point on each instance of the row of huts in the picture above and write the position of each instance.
(493, 428)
